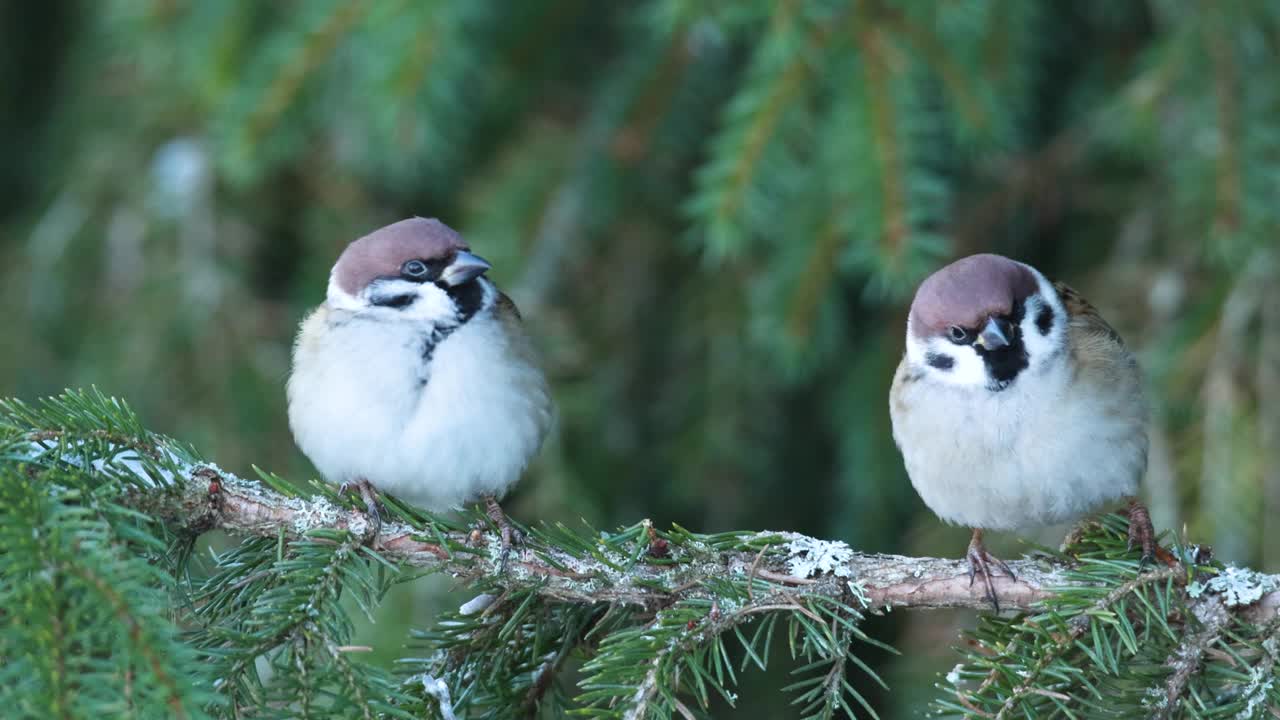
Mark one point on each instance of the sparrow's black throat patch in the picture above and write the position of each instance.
(468, 297)
(1004, 365)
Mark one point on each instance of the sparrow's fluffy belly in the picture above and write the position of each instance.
(365, 404)
(1005, 460)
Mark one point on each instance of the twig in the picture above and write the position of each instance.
(751, 574)
(1185, 660)
(781, 578)
(648, 687)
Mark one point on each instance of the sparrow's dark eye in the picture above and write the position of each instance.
(414, 270)
(958, 334)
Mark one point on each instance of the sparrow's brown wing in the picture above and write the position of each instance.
(1106, 371)
(1083, 318)
(520, 344)
(524, 356)
(902, 395)
(508, 308)
(1101, 360)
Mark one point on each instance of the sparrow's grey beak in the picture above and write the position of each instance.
(992, 337)
(464, 268)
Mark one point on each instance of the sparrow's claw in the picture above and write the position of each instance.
(511, 535)
(980, 562)
(1141, 532)
(373, 508)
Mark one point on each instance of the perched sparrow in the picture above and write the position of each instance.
(415, 376)
(1016, 405)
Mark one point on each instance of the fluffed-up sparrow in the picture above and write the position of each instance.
(1017, 405)
(415, 377)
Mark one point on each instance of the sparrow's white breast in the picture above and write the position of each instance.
(363, 403)
(1048, 449)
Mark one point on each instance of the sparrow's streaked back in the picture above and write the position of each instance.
(1016, 404)
(416, 376)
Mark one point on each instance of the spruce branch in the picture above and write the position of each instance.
(1065, 640)
(1115, 644)
(208, 497)
(748, 156)
(314, 46)
(651, 622)
(874, 43)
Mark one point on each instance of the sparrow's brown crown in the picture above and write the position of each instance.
(383, 251)
(968, 291)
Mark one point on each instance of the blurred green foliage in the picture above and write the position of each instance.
(711, 213)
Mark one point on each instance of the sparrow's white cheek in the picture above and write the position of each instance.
(966, 368)
(947, 362)
(404, 300)
(433, 305)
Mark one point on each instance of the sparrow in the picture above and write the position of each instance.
(415, 377)
(1016, 405)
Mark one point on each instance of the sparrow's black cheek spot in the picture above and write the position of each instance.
(1044, 319)
(398, 302)
(939, 361)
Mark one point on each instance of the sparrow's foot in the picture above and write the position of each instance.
(373, 507)
(980, 562)
(510, 534)
(1141, 532)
